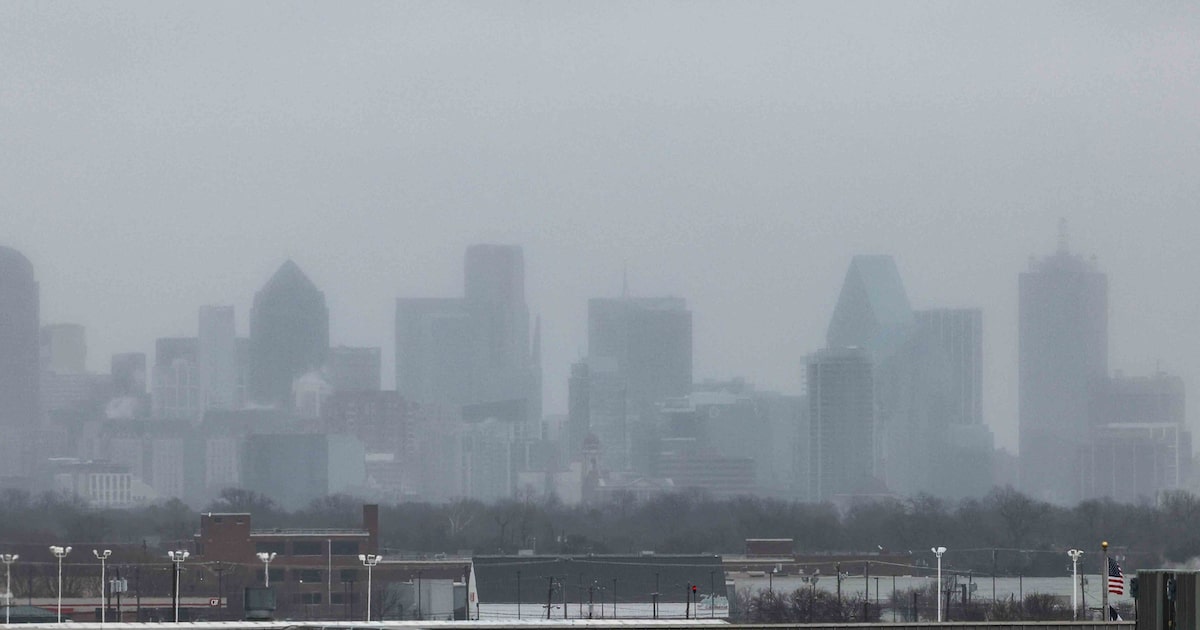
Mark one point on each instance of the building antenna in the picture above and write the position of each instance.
(1062, 236)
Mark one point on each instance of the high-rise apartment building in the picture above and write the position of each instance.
(841, 399)
(216, 357)
(1063, 357)
(289, 335)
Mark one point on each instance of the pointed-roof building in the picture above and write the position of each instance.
(872, 310)
(289, 334)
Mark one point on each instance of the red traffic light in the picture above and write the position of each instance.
(693, 588)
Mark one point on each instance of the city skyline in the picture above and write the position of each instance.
(98, 363)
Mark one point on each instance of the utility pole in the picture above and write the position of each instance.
(838, 567)
(549, 595)
(867, 599)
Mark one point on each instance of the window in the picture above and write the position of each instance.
(341, 598)
(349, 575)
(306, 598)
(269, 547)
(307, 575)
(345, 547)
(276, 575)
(308, 548)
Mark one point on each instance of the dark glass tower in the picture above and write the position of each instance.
(289, 335)
(18, 342)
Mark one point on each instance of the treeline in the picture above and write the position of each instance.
(1005, 530)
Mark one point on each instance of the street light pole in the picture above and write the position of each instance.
(60, 553)
(266, 560)
(369, 560)
(102, 556)
(1074, 553)
(177, 557)
(938, 551)
(8, 559)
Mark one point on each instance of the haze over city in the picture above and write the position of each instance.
(155, 158)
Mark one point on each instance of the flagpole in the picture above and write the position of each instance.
(1104, 583)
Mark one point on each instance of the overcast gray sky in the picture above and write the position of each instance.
(159, 156)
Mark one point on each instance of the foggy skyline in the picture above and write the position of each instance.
(156, 158)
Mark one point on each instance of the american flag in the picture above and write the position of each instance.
(1116, 579)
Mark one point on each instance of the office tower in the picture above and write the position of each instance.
(475, 349)
(872, 310)
(436, 351)
(176, 385)
(650, 341)
(64, 348)
(579, 422)
(1139, 444)
(129, 374)
(873, 313)
(354, 369)
(956, 335)
(296, 469)
(289, 335)
(948, 360)
(216, 357)
(1063, 355)
(841, 398)
(18, 342)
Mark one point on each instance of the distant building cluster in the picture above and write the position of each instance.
(891, 406)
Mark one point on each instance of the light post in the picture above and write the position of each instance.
(102, 556)
(1074, 553)
(177, 557)
(938, 551)
(8, 559)
(60, 553)
(369, 560)
(266, 560)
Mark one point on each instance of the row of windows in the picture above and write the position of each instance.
(317, 598)
(310, 576)
(310, 547)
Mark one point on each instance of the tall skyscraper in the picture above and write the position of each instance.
(216, 357)
(475, 349)
(289, 335)
(1063, 356)
(948, 361)
(841, 399)
(650, 341)
(928, 373)
(956, 336)
(176, 386)
(18, 342)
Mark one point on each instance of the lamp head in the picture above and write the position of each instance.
(938, 551)
(362, 557)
